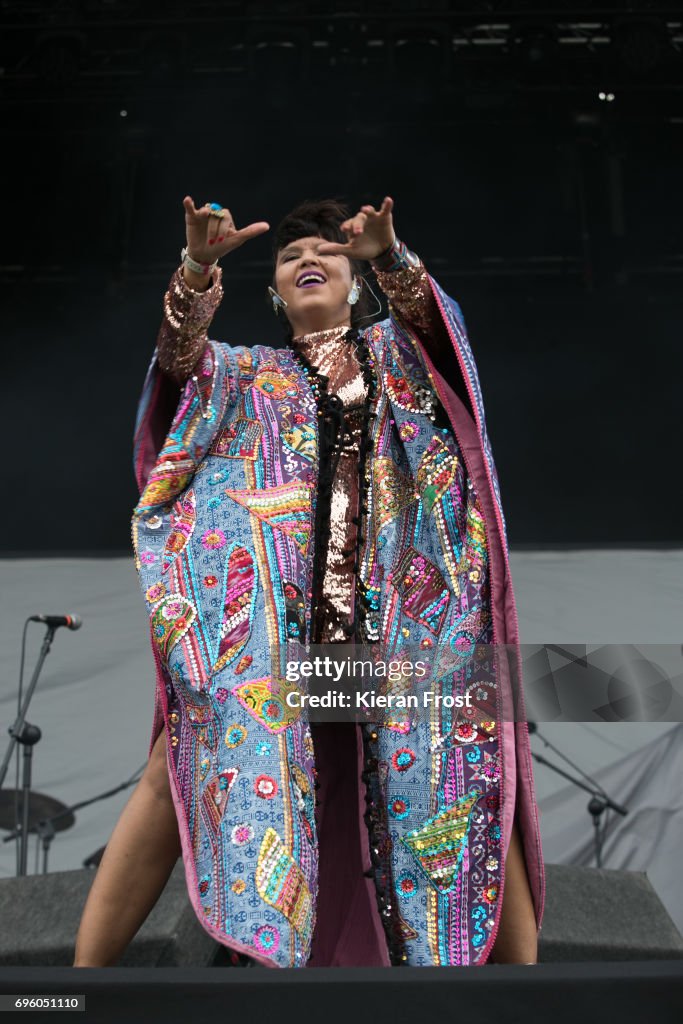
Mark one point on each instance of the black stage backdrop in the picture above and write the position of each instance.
(536, 166)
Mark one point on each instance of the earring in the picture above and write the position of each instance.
(277, 300)
(354, 294)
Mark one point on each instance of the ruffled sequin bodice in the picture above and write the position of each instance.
(335, 357)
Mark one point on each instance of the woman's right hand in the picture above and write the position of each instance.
(209, 238)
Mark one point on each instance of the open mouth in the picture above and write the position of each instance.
(309, 279)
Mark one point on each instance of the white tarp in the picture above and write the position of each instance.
(95, 696)
(648, 782)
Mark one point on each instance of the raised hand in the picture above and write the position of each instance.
(210, 237)
(369, 233)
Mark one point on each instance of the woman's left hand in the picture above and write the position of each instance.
(369, 233)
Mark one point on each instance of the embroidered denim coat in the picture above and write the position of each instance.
(224, 549)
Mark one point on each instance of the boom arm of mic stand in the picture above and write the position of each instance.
(582, 785)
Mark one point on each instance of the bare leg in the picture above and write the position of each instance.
(134, 869)
(516, 941)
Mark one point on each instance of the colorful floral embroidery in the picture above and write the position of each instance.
(213, 539)
(494, 833)
(267, 938)
(491, 893)
(406, 884)
(399, 807)
(408, 430)
(242, 834)
(239, 886)
(265, 787)
(403, 759)
(235, 735)
(156, 592)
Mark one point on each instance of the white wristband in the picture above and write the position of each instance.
(199, 268)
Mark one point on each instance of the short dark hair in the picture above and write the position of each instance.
(322, 217)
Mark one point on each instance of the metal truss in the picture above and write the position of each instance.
(102, 43)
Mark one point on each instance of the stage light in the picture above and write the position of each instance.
(123, 113)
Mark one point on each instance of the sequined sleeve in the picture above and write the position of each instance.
(182, 336)
(402, 276)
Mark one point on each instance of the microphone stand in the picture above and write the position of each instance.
(45, 828)
(599, 801)
(28, 735)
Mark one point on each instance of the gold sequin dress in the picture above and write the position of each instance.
(335, 357)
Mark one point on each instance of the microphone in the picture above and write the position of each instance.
(532, 727)
(70, 621)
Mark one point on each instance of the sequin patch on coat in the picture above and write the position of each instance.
(303, 790)
(436, 473)
(301, 439)
(266, 706)
(215, 798)
(392, 490)
(425, 594)
(240, 440)
(286, 507)
(171, 474)
(295, 611)
(240, 587)
(281, 883)
(171, 620)
(438, 844)
(183, 522)
(276, 385)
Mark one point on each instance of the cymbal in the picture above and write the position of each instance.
(39, 808)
